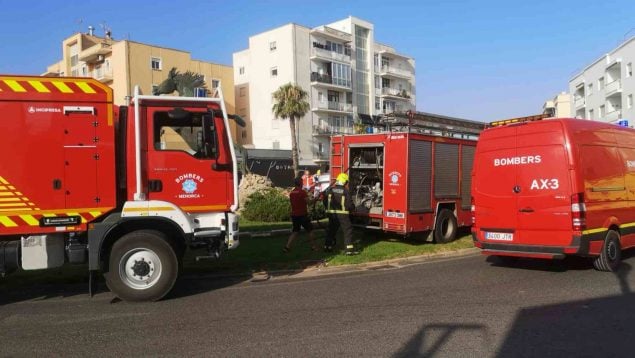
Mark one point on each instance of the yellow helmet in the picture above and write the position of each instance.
(342, 178)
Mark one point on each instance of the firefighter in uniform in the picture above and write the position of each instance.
(338, 207)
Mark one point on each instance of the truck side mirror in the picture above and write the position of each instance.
(209, 136)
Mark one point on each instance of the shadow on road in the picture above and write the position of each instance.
(599, 327)
(431, 338)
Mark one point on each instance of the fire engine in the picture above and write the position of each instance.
(555, 187)
(412, 179)
(124, 188)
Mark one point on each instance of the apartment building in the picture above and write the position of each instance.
(559, 106)
(349, 77)
(604, 90)
(122, 64)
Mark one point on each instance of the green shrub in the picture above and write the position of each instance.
(317, 211)
(270, 205)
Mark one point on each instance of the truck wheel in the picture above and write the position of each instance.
(143, 266)
(611, 255)
(445, 227)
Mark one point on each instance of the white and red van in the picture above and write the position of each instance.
(555, 187)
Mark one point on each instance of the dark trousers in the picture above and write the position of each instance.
(335, 221)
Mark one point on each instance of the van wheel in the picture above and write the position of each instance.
(143, 266)
(611, 255)
(445, 227)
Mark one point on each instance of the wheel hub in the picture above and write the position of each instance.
(140, 268)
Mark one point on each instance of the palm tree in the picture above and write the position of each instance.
(290, 102)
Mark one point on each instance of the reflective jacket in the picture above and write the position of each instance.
(338, 200)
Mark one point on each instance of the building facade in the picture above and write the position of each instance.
(348, 76)
(559, 106)
(123, 64)
(604, 90)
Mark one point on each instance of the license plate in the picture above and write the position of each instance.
(500, 236)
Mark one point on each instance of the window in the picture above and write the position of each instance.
(591, 114)
(155, 63)
(215, 84)
(241, 70)
(629, 101)
(182, 134)
(589, 88)
(320, 148)
(99, 72)
(272, 46)
(377, 103)
(602, 111)
(274, 71)
(84, 71)
(601, 84)
(629, 69)
(241, 92)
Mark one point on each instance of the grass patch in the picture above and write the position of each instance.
(259, 226)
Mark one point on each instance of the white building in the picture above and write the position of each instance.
(349, 78)
(604, 90)
(559, 106)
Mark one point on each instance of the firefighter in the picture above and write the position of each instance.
(338, 208)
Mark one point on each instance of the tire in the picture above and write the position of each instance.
(445, 227)
(611, 255)
(143, 266)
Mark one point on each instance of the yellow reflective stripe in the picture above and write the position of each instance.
(29, 219)
(49, 215)
(3, 181)
(62, 87)
(13, 204)
(85, 87)
(158, 208)
(4, 220)
(627, 225)
(15, 86)
(328, 202)
(593, 231)
(343, 203)
(95, 213)
(10, 199)
(6, 193)
(39, 86)
(77, 214)
(204, 207)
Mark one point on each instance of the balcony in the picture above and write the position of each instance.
(95, 53)
(389, 71)
(328, 55)
(317, 78)
(325, 129)
(613, 88)
(579, 102)
(613, 116)
(396, 109)
(331, 106)
(395, 93)
(103, 76)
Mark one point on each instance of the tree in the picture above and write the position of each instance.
(184, 83)
(290, 102)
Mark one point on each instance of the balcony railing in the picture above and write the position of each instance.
(579, 102)
(334, 106)
(387, 91)
(613, 116)
(330, 55)
(396, 109)
(395, 71)
(316, 77)
(326, 129)
(613, 87)
(95, 53)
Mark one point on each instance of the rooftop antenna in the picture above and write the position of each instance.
(79, 23)
(107, 30)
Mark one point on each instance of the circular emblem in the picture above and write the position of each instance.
(189, 186)
(31, 109)
(394, 178)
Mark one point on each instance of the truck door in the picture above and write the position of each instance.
(494, 185)
(189, 165)
(544, 197)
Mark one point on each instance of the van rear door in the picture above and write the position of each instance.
(544, 188)
(493, 185)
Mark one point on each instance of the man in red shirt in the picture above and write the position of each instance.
(299, 215)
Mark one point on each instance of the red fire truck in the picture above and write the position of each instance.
(414, 178)
(125, 188)
(556, 187)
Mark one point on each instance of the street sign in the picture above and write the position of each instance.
(622, 123)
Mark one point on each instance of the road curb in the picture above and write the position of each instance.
(325, 270)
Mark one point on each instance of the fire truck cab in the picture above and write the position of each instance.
(126, 189)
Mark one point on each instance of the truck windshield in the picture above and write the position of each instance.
(180, 134)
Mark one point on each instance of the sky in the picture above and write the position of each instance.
(480, 60)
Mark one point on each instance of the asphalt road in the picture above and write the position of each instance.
(461, 307)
